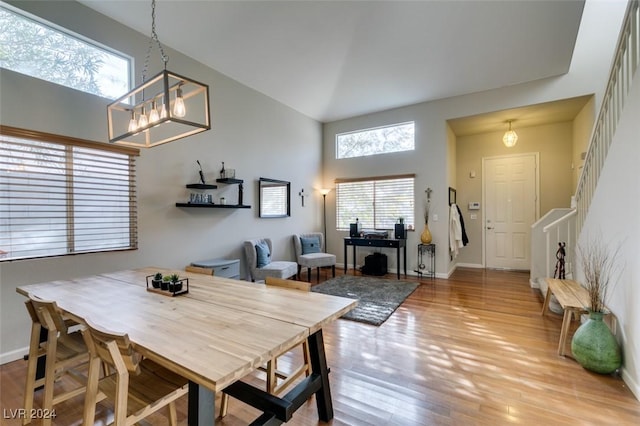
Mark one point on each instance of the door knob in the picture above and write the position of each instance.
(489, 227)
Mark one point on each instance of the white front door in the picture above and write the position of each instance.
(511, 206)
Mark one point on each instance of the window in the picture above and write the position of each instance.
(63, 196)
(39, 50)
(376, 202)
(381, 140)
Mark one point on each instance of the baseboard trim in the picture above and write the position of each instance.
(471, 265)
(633, 386)
(17, 354)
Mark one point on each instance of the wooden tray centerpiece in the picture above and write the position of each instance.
(169, 285)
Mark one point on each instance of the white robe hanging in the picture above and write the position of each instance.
(455, 231)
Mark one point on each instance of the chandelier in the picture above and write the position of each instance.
(510, 137)
(165, 108)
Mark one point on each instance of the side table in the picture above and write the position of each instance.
(426, 260)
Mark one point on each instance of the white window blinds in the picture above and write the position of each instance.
(63, 196)
(377, 203)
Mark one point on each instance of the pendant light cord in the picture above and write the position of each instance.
(153, 38)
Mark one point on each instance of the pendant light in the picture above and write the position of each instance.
(163, 109)
(510, 138)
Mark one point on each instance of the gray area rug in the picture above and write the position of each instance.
(377, 298)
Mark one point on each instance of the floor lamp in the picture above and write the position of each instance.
(324, 193)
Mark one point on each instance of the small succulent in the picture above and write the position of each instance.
(157, 276)
(174, 278)
(166, 278)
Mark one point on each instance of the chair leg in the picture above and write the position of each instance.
(333, 270)
(32, 363)
(299, 270)
(224, 404)
(272, 380)
(49, 376)
(309, 274)
(91, 397)
(173, 414)
(318, 273)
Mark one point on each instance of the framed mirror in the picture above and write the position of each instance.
(274, 198)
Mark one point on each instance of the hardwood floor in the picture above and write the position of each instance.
(471, 350)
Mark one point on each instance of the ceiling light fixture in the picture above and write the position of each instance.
(510, 138)
(165, 108)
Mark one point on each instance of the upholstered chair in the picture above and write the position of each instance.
(310, 253)
(260, 263)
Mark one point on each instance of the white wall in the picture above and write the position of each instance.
(588, 74)
(613, 217)
(251, 133)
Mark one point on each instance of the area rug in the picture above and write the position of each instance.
(377, 298)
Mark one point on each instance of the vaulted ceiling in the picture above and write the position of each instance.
(337, 59)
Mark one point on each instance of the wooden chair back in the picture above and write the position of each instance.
(199, 270)
(46, 313)
(290, 284)
(114, 349)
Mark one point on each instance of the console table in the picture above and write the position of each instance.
(377, 242)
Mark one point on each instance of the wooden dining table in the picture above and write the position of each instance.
(214, 335)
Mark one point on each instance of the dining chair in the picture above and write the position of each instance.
(65, 352)
(278, 380)
(310, 253)
(138, 387)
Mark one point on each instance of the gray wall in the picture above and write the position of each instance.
(251, 133)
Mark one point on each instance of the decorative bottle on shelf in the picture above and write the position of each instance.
(222, 172)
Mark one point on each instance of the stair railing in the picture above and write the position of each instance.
(624, 66)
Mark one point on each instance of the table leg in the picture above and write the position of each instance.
(202, 405)
(354, 259)
(398, 262)
(405, 260)
(346, 261)
(319, 366)
(566, 321)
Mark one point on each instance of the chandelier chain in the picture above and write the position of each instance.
(152, 39)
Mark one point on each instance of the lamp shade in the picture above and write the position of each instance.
(171, 106)
(510, 138)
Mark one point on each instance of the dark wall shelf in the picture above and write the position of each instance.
(213, 206)
(229, 180)
(216, 206)
(201, 186)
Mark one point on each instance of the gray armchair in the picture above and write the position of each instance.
(310, 254)
(260, 264)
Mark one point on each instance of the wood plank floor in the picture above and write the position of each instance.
(471, 350)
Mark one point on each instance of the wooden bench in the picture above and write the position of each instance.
(574, 300)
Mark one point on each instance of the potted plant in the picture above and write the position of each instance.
(165, 282)
(157, 280)
(175, 285)
(593, 345)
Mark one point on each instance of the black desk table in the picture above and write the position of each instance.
(377, 242)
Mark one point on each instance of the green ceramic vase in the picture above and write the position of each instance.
(595, 347)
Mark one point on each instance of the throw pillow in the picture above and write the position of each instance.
(263, 254)
(310, 245)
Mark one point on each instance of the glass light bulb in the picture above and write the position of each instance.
(133, 123)
(163, 111)
(179, 109)
(153, 114)
(143, 121)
